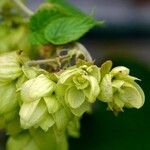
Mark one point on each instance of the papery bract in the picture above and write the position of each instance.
(119, 89)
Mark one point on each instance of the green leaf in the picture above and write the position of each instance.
(39, 21)
(37, 38)
(42, 17)
(74, 97)
(68, 29)
(47, 24)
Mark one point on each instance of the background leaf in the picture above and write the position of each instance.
(65, 30)
(50, 23)
(39, 21)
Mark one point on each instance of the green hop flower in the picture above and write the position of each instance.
(9, 67)
(119, 89)
(40, 106)
(80, 87)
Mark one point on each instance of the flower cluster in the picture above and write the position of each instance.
(80, 87)
(40, 99)
(119, 89)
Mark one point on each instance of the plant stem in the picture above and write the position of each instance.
(23, 7)
(38, 62)
(46, 61)
(81, 48)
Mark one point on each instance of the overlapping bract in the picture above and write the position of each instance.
(40, 107)
(38, 103)
(119, 89)
(80, 86)
(34, 98)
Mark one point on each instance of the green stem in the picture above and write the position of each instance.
(23, 7)
(46, 61)
(39, 62)
(59, 59)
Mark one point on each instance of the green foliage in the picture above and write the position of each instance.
(58, 25)
(39, 22)
(69, 29)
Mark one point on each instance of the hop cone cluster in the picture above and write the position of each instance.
(37, 105)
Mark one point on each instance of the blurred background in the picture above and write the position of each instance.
(125, 39)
